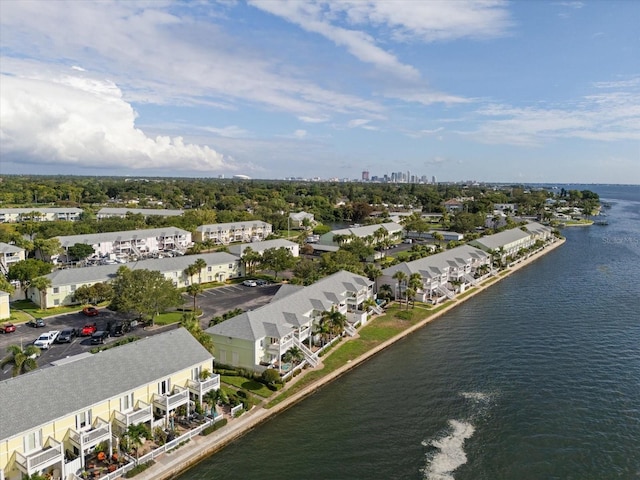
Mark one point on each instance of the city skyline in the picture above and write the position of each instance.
(530, 92)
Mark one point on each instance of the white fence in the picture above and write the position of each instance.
(236, 409)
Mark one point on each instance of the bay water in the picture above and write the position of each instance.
(538, 377)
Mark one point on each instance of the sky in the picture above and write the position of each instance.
(486, 90)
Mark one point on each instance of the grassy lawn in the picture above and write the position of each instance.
(374, 333)
(26, 308)
(168, 318)
(249, 385)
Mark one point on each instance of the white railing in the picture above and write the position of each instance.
(169, 402)
(309, 356)
(200, 387)
(142, 414)
(283, 345)
(42, 458)
(236, 409)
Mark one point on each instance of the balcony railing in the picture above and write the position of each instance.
(89, 438)
(200, 387)
(141, 414)
(169, 402)
(283, 345)
(41, 459)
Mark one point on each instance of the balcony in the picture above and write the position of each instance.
(200, 387)
(172, 401)
(282, 346)
(141, 414)
(51, 454)
(99, 433)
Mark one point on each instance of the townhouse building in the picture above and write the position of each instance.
(220, 266)
(225, 233)
(114, 212)
(539, 232)
(257, 339)
(131, 242)
(505, 243)
(10, 254)
(53, 417)
(298, 219)
(442, 275)
(39, 214)
(391, 230)
(260, 247)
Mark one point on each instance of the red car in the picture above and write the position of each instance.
(7, 328)
(88, 330)
(90, 311)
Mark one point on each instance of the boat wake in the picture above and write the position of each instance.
(448, 451)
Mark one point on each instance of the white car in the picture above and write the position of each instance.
(45, 340)
(250, 283)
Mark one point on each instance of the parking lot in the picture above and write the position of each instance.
(212, 302)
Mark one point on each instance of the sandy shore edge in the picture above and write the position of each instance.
(172, 464)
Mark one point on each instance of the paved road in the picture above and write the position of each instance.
(213, 302)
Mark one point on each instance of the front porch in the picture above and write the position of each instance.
(84, 441)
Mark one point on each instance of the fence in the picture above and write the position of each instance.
(236, 409)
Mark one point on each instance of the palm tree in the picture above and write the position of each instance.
(42, 284)
(373, 273)
(194, 290)
(401, 278)
(190, 271)
(294, 356)
(135, 435)
(334, 321)
(200, 264)
(386, 291)
(22, 359)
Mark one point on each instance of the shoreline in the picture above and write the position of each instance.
(172, 464)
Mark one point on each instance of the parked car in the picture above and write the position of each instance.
(67, 335)
(250, 283)
(99, 337)
(36, 323)
(45, 340)
(90, 311)
(261, 282)
(88, 330)
(120, 329)
(7, 328)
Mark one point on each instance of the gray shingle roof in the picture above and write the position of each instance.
(366, 230)
(498, 240)
(8, 248)
(238, 249)
(41, 396)
(232, 226)
(93, 238)
(103, 273)
(253, 325)
(143, 211)
(436, 264)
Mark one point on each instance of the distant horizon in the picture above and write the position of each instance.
(531, 92)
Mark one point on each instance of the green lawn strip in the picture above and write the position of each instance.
(168, 318)
(467, 293)
(30, 309)
(250, 385)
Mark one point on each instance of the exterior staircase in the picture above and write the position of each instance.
(469, 278)
(350, 330)
(446, 292)
(309, 356)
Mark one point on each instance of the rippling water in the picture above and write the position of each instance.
(535, 378)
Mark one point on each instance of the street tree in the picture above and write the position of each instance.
(25, 271)
(278, 260)
(143, 293)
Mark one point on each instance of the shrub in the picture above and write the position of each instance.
(271, 376)
(212, 428)
(139, 469)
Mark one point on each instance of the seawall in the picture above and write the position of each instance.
(175, 463)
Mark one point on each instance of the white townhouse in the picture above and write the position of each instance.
(260, 247)
(132, 242)
(112, 212)
(10, 254)
(393, 230)
(220, 266)
(297, 219)
(539, 232)
(257, 339)
(225, 233)
(505, 243)
(461, 265)
(39, 214)
(52, 418)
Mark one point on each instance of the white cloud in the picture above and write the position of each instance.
(84, 121)
(231, 131)
(313, 119)
(358, 122)
(300, 133)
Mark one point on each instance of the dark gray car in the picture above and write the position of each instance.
(67, 335)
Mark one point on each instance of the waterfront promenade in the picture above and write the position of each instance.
(176, 462)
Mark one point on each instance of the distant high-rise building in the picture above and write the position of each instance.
(433, 179)
(365, 176)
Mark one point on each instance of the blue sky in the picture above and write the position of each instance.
(529, 91)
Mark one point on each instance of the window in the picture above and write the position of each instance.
(73, 288)
(164, 386)
(231, 265)
(56, 302)
(56, 290)
(126, 403)
(83, 420)
(223, 356)
(235, 358)
(33, 441)
(195, 373)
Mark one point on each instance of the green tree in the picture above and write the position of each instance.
(278, 259)
(45, 248)
(80, 251)
(42, 284)
(372, 272)
(194, 290)
(5, 285)
(22, 359)
(190, 271)
(334, 321)
(135, 435)
(25, 271)
(200, 264)
(307, 271)
(401, 278)
(250, 258)
(144, 293)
